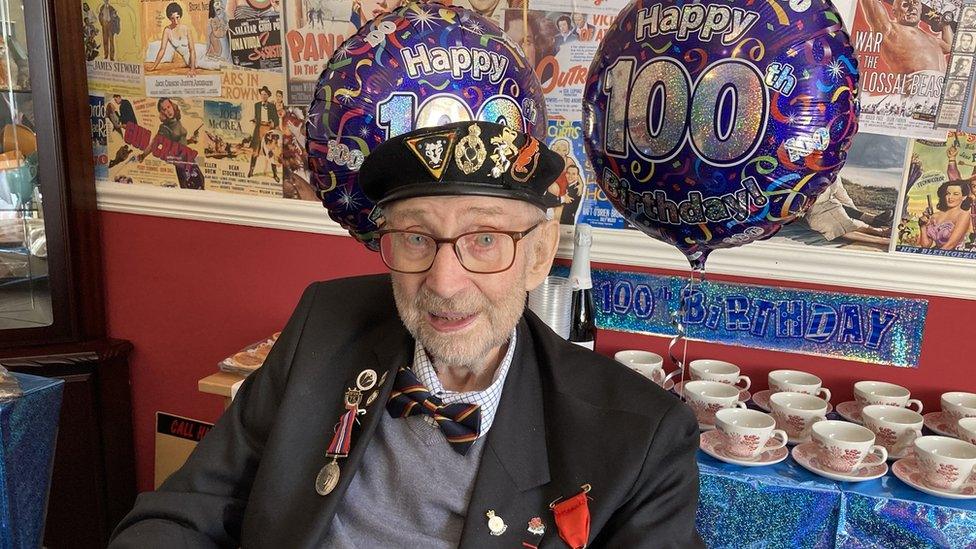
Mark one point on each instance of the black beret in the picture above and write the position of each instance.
(463, 158)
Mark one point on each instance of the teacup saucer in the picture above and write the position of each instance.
(851, 411)
(743, 394)
(907, 471)
(713, 444)
(761, 399)
(940, 424)
(808, 456)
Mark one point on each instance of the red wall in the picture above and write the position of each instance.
(188, 293)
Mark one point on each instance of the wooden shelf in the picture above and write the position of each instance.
(218, 384)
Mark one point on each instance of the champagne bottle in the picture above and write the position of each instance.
(582, 329)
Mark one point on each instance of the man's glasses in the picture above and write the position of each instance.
(481, 252)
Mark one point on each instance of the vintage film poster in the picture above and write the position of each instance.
(955, 92)
(159, 142)
(242, 134)
(312, 32)
(100, 129)
(112, 32)
(560, 45)
(295, 181)
(254, 29)
(583, 200)
(184, 43)
(939, 205)
(903, 54)
(857, 211)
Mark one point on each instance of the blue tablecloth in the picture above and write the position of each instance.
(784, 505)
(28, 430)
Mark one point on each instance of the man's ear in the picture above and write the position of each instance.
(539, 258)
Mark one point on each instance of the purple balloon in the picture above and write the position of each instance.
(420, 65)
(712, 124)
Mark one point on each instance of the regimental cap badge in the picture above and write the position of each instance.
(433, 150)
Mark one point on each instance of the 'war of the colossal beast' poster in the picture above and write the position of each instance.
(902, 50)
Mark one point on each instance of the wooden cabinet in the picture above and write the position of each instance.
(51, 300)
(93, 483)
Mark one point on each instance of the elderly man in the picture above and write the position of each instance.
(427, 408)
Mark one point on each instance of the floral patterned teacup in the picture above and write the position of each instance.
(894, 427)
(844, 446)
(645, 363)
(747, 432)
(946, 463)
(966, 428)
(796, 412)
(718, 370)
(795, 381)
(867, 393)
(708, 397)
(958, 405)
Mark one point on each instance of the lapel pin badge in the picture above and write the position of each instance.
(366, 380)
(536, 526)
(496, 525)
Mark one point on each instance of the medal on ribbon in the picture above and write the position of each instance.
(328, 477)
(572, 517)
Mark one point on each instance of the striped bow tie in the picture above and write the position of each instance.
(459, 422)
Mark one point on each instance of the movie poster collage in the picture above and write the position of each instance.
(211, 94)
(908, 184)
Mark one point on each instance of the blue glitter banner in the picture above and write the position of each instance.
(865, 328)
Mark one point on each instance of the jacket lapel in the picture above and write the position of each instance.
(515, 459)
(389, 352)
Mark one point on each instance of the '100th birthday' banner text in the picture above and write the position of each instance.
(865, 328)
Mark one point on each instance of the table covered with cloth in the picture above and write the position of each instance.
(784, 505)
(28, 430)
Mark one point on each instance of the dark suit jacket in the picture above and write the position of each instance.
(567, 417)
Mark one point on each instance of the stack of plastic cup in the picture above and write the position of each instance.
(552, 302)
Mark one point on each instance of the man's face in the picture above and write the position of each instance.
(460, 317)
(579, 19)
(966, 41)
(264, 96)
(572, 174)
(908, 12)
(563, 26)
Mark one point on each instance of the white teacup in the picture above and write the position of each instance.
(708, 397)
(966, 428)
(844, 446)
(795, 381)
(894, 427)
(747, 432)
(868, 393)
(718, 370)
(957, 405)
(795, 413)
(646, 363)
(946, 463)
